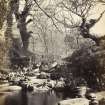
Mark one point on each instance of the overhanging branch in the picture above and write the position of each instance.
(47, 15)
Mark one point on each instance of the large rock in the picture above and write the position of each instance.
(10, 88)
(76, 101)
(100, 95)
(8, 91)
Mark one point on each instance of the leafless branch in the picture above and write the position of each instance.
(65, 24)
(85, 29)
(101, 1)
(100, 16)
(47, 15)
(71, 10)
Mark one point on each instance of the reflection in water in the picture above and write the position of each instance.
(33, 98)
(24, 98)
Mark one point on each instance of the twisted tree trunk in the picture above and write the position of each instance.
(85, 29)
(22, 23)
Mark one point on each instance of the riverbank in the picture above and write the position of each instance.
(43, 92)
(40, 96)
(13, 95)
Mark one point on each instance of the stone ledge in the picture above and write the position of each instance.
(76, 101)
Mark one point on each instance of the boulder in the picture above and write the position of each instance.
(10, 88)
(43, 75)
(81, 91)
(76, 101)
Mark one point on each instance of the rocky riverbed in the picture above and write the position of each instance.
(29, 90)
(13, 95)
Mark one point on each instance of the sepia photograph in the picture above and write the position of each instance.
(52, 52)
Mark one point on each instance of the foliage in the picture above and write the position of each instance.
(2, 54)
(102, 102)
(89, 63)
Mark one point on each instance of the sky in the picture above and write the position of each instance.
(99, 28)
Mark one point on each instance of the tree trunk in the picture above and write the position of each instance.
(8, 32)
(22, 24)
(85, 27)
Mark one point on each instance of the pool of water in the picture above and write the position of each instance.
(33, 98)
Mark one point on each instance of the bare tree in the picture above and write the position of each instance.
(85, 29)
(3, 11)
(9, 19)
(43, 29)
(81, 9)
(22, 22)
(6, 11)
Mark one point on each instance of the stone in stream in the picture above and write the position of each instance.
(81, 91)
(6, 92)
(76, 101)
(93, 99)
(30, 88)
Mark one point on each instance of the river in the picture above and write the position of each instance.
(33, 98)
